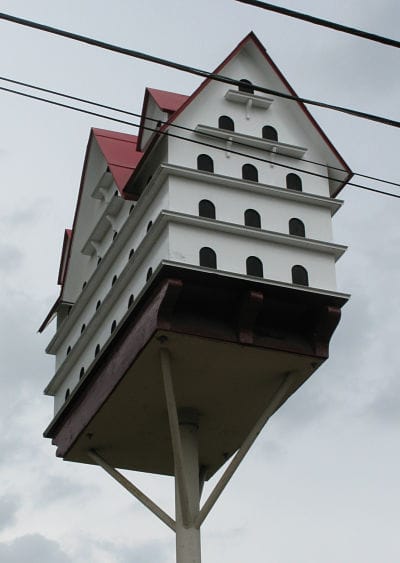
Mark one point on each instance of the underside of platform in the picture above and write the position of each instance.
(231, 344)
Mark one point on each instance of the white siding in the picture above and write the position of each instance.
(231, 204)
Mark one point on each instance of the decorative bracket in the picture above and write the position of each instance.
(273, 152)
(249, 105)
(228, 147)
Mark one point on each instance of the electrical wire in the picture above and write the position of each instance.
(201, 143)
(195, 71)
(133, 114)
(322, 22)
(137, 125)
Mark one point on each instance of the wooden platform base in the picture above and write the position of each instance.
(231, 343)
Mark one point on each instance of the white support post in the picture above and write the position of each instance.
(130, 487)
(188, 477)
(180, 477)
(234, 464)
(184, 437)
(188, 545)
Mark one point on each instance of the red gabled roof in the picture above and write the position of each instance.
(167, 101)
(50, 315)
(61, 277)
(120, 152)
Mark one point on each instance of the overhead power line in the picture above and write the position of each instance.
(196, 71)
(322, 22)
(133, 114)
(194, 141)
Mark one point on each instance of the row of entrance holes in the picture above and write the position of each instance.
(249, 172)
(251, 218)
(98, 304)
(254, 266)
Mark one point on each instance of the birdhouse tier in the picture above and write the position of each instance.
(212, 229)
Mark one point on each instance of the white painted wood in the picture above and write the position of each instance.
(131, 488)
(188, 543)
(255, 100)
(179, 461)
(241, 142)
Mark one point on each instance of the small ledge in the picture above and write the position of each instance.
(283, 149)
(103, 225)
(256, 187)
(336, 250)
(245, 97)
(102, 186)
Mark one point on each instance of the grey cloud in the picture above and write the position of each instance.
(386, 406)
(340, 67)
(10, 258)
(23, 360)
(156, 551)
(61, 488)
(272, 450)
(28, 214)
(142, 554)
(34, 548)
(308, 404)
(13, 448)
(8, 509)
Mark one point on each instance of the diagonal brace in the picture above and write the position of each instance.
(242, 451)
(130, 487)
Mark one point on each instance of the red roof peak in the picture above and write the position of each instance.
(167, 101)
(120, 152)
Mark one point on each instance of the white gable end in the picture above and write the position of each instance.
(152, 120)
(288, 118)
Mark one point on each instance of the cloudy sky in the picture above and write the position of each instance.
(321, 484)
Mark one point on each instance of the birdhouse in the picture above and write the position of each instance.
(199, 275)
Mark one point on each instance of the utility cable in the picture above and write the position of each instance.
(201, 143)
(195, 71)
(181, 127)
(322, 22)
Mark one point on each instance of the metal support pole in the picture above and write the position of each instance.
(188, 547)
